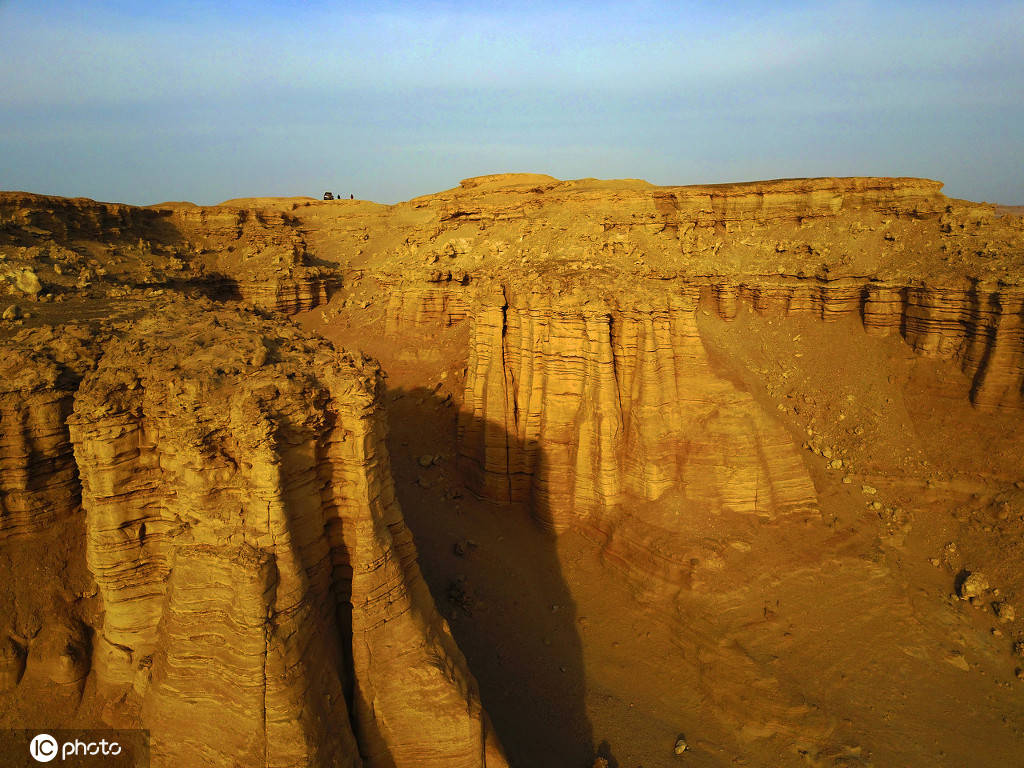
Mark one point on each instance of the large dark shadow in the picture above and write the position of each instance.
(496, 576)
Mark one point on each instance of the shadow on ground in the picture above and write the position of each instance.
(496, 576)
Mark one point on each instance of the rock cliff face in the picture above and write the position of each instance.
(619, 398)
(222, 477)
(578, 410)
(258, 586)
(587, 380)
(38, 475)
(230, 252)
(976, 325)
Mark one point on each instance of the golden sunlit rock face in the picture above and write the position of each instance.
(528, 472)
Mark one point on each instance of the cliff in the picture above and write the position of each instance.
(112, 249)
(717, 393)
(257, 585)
(579, 410)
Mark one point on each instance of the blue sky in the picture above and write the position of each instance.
(146, 102)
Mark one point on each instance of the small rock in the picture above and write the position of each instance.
(1005, 611)
(957, 660)
(869, 490)
(464, 548)
(972, 585)
(27, 282)
(681, 745)
(600, 762)
(836, 463)
(426, 460)
(13, 312)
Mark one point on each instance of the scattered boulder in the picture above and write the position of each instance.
(13, 312)
(28, 282)
(1004, 611)
(971, 585)
(681, 745)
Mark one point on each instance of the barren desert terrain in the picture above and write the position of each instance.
(528, 473)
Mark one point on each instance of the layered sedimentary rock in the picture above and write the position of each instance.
(441, 302)
(587, 381)
(259, 586)
(578, 403)
(606, 389)
(262, 601)
(577, 409)
(39, 373)
(229, 252)
(257, 597)
(979, 326)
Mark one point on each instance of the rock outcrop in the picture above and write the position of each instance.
(258, 583)
(577, 409)
(39, 374)
(228, 252)
(222, 476)
(261, 597)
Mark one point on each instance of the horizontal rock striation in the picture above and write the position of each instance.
(259, 256)
(418, 307)
(577, 410)
(260, 590)
(978, 326)
(39, 373)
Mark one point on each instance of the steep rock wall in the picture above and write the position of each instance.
(579, 409)
(261, 592)
(979, 326)
(576, 404)
(39, 373)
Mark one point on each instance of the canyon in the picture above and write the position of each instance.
(527, 472)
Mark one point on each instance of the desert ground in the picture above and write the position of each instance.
(527, 472)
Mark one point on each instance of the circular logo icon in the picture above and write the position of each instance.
(43, 748)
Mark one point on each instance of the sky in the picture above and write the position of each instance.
(145, 102)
